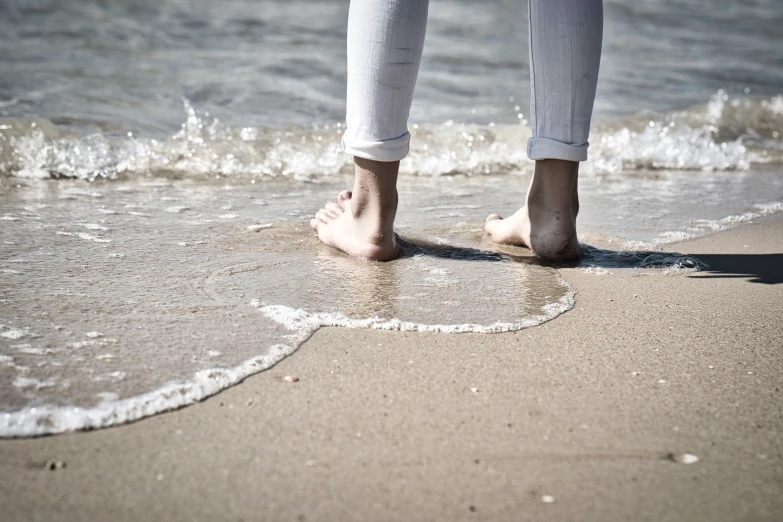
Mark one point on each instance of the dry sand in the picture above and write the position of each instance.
(577, 419)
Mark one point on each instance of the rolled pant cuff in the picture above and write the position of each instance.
(546, 148)
(385, 150)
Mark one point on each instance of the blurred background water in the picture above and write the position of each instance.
(125, 65)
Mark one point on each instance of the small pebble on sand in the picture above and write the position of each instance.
(474, 390)
(547, 499)
(683, 458)
(53, 465)
(290, 378)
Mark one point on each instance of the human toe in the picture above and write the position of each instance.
(334, 208)
(492, 222)
(344, 198)
(323, 216)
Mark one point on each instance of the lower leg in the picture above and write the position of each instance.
(385, 42)
(547, 221)
(374, 196)
(565, 52)
(361, 222)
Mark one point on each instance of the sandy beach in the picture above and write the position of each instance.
(596, 415)
(177, 344)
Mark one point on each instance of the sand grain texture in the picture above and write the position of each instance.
(587, 417)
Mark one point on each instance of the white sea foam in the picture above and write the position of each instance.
(43, 420)
(595, 270)
(308, 322)
(30, 349)
(719, 135)
(84, 235)
(13, 334)
(35, 384)
(112, 376)
(89, 343)
(700, 227)
(95, 226)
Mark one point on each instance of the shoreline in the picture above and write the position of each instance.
(589, 410)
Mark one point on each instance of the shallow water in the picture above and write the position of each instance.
(159, 165)
(120, 300)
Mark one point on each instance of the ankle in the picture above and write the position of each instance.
(375, 214)
(554, 184)
(375, 190)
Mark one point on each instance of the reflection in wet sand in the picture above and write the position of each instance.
(430, 287)
(114, 307)
(361, 288)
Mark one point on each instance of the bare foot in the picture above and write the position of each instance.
(361, 223)
(547, 222)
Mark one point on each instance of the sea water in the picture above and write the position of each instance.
(159, 164)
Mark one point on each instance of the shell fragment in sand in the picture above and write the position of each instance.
(683, 458)
(257, 228)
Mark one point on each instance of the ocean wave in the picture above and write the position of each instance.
(723, 134)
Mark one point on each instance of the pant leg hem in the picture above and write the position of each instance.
(546, 148)
(384, 150)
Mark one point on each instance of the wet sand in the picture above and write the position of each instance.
(582, 418)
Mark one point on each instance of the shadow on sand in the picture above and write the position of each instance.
(757, 268)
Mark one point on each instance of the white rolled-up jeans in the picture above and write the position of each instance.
(385, 42)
